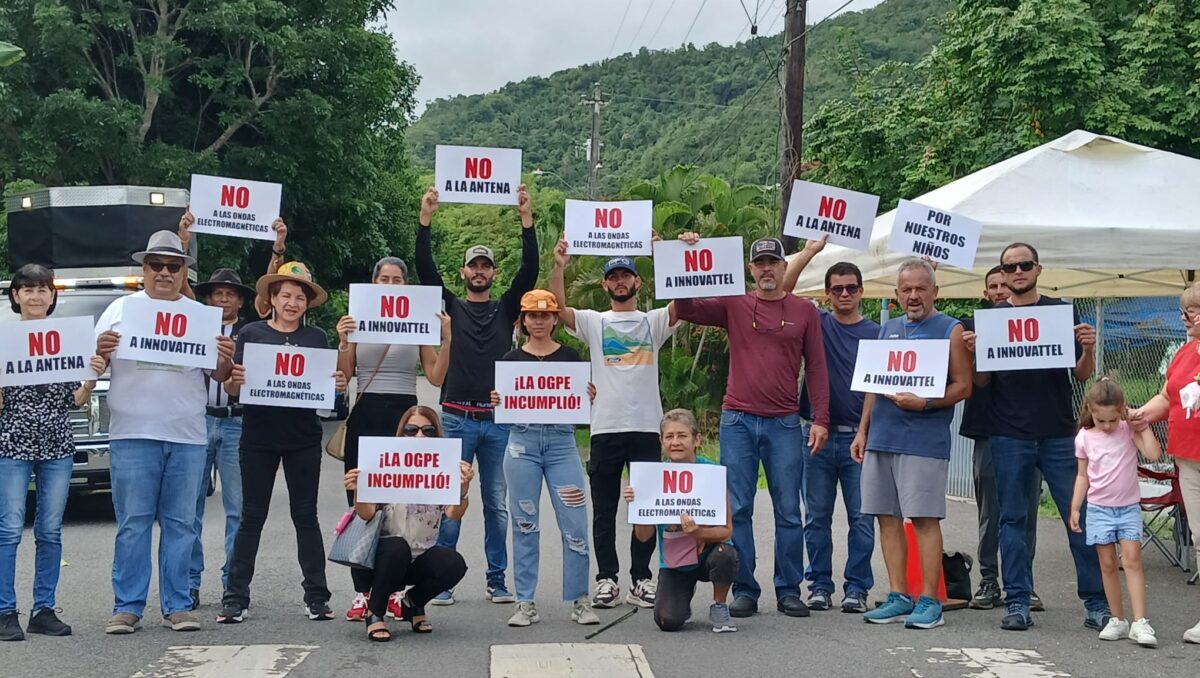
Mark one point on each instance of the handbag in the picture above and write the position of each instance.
(356, 540)
(336, 445)
(956, 571)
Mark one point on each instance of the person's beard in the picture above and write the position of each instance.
(472, 287)
(622, 298)
(1029, 286)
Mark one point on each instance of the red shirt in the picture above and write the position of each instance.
(1183, 434)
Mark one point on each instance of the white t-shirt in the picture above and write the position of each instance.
(153, 401)
(624, 352)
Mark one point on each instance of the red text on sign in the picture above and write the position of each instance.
(1023, 330)
(608, 217)
(902, 360)
(832, 207)
(288, 364)
(479, 168)
(42, 343)
(409, 460)
(677, 482)
(235, 196)
(393, 307)
(697, 260)
(173, 324)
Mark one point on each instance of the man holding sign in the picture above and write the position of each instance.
(1033, 427)
(158, 447)
(903, 443)
(481, 333)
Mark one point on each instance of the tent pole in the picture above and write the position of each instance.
(1100, 336)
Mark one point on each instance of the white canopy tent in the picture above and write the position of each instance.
(1109, 219)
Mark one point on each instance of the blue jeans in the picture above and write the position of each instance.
(822, 474)
(224, 434)
(154, 479)
(53, 484)
(537, 451)
(485, 441)
(1015, 461)
(776, 442)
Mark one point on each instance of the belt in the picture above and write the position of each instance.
(474, 415)
(224, 412)
(845, 429)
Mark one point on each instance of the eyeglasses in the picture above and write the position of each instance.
(429, 430)
(1027, 266)
(765, 329)
(1189, 313)
(839, 290)
(158, 266)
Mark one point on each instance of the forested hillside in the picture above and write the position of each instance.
(715, 107)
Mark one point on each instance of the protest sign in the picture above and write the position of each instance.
(234, 207)
(543, 392)
(916, 366)
(47, 351)
(289, 376)
(663, 491)
(409, 470)
(485, 176)
(169, 332)
(1024, 338)
(610, 229)
(395, 314)
(713, 267)
(942, 236)
(816, 210)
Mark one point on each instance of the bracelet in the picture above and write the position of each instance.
(279, 253)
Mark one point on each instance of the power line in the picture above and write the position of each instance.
(619, 27)
(694, 20)
(639, 28)
(682, 103)
(661, 22)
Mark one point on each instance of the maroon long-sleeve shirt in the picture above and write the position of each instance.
(768, 342)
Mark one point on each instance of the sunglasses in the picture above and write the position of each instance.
(158, 266)
(839, 290)
(429, 430)
(1027, 266)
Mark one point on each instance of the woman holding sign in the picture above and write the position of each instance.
(537, 451)
(689, 553)
(387, 374)
(407, 555)
(272, 435)
(36, 440)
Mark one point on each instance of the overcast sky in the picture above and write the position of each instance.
(475, 46)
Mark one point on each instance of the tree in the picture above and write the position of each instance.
(306, 93)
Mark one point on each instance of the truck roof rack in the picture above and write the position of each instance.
(95, 196)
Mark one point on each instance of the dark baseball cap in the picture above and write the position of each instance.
(767, 247)
(618, 263)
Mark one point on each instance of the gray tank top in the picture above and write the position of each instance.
(397, 374)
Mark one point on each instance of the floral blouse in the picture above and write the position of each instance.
(34, 423)
(417, 523)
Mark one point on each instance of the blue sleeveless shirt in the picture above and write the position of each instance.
(924, 434)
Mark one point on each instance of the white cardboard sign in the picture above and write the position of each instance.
(713, 267)
(168, 333)
(663, 491)
(816, 210)
(543, 392)
(409, 470)
(289, 376)
(47, 351)
(916, 366)
(944, 237)
(395, 314)
(484, 176)
(610, 229)
(1024, 338)
(238, 208)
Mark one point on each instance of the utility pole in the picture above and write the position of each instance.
(596, 102)
(793, 105)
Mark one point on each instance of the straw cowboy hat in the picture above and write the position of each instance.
(292, 271)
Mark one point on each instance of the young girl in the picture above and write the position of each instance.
(1107, 448)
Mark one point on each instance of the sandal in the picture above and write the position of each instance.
(410, 612)
(379, 635)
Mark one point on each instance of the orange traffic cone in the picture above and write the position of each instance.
(913, 572)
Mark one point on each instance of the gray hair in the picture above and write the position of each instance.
(681, 416)
(390, 261)
(914, 262)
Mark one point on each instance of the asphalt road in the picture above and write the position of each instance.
(472, 639)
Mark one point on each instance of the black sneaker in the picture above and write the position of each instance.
(231, 613)
(1035, 603)
(10, 627)
(195, 599)
(319, 612)
(987, 597)
(45, 622)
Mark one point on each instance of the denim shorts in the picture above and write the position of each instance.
(1110, 524)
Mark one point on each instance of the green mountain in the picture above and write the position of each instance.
(715, 107)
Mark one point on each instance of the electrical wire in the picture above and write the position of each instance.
(638, 32)
(619, 27)
(661, 21)
(694, 20)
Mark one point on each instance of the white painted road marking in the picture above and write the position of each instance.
(997, 662)
(569, 660)
(227, 661)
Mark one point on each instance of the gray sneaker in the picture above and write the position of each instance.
(718, 614)
(854, 602)
(525, 615)
(581, 612)
(819, 600)
(123, 623)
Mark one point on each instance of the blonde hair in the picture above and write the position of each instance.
(1190, 297)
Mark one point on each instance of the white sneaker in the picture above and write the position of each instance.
(643, 594)
(1116, 629)
(525, 615)
(1143, 634)
(581, 612)
(1192, 635)
(608, 594)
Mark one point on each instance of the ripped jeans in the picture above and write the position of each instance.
(546, 450)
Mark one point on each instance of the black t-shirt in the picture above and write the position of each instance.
(977, 411)
(1034, 404)
(564, 354)
(279, 428)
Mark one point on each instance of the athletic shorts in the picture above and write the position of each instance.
(1111, 524)
(904, 485)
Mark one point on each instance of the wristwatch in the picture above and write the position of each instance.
(928, 405)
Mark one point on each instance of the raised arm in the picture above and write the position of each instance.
(558, 283)
(427, 270)
(185, 238)
(527, 275)
(799, 262)
(279, 248)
